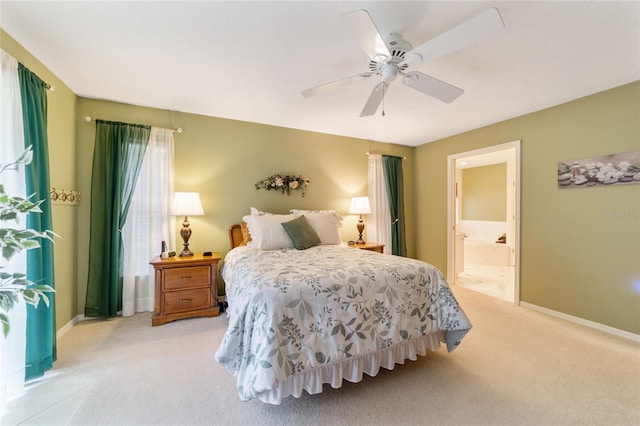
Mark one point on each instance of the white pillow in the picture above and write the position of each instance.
(298, 211)
(267, 232)
(256, 212)
(326, 226)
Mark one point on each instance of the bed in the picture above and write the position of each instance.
(302, 318)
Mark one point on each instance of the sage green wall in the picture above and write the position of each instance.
(223, 159)
(484, 193)
(62, 161)
(580, 248)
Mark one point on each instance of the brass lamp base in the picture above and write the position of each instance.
(360, 227)
(185, 252)
(185, 233)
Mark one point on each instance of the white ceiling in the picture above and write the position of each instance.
(250, 60)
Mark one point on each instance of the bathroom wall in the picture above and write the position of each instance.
(484, 193)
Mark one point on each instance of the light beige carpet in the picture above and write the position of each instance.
(516, 367)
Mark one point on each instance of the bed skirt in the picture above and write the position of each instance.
(351, 369)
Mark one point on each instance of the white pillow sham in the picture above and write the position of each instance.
(326, 226)
(298, 211)
(302, 211)
(267, 232)
(256, 212)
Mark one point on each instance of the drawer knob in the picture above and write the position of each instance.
(186, 277)
(185, 300)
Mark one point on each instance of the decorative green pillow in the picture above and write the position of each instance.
(301, 232)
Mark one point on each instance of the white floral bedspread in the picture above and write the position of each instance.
(295, 310)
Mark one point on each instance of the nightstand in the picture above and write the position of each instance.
(186, 287)
(369, 246)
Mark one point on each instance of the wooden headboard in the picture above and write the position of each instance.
(235, 235)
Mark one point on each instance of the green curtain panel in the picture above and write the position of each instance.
(117, 157)
(394, 182)
(41, 321)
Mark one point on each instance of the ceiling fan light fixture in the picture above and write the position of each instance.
(389, 73)
(393, 55)
(380, 57)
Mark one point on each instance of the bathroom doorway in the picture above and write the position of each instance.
(484, 222)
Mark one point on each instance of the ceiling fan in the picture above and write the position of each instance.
(391, 56)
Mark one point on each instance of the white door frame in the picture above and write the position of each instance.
(451, 209)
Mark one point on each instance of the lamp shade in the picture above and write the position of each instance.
(187, 204)
(360, 205)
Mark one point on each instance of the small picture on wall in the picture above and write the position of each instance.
(615, 169)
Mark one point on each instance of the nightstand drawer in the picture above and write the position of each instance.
(187, 300)
(180, 278)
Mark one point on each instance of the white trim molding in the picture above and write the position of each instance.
(577, 320)
(513, 159)
(68, 325)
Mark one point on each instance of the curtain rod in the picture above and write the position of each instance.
(47, 86)
(373, 153)
(89, 119)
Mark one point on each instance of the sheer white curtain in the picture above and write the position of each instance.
(12, 348)
(379, 223)
(148, 223)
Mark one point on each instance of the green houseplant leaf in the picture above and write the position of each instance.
(15, 240)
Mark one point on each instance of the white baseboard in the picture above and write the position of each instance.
(68, 325)
(591, 324)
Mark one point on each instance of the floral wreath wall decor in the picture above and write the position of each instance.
(284, 183)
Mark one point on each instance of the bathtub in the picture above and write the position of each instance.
(486, 253)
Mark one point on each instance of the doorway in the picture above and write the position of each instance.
(487, 266)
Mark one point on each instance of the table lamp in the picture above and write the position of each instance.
(186, 204)
(360, 205)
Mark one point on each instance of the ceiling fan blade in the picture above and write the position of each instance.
(366, 31)
(375, 98)
(466, 34)
(432, 86)
(335, 84)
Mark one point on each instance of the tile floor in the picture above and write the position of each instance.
(50, 400)
(496, 281)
